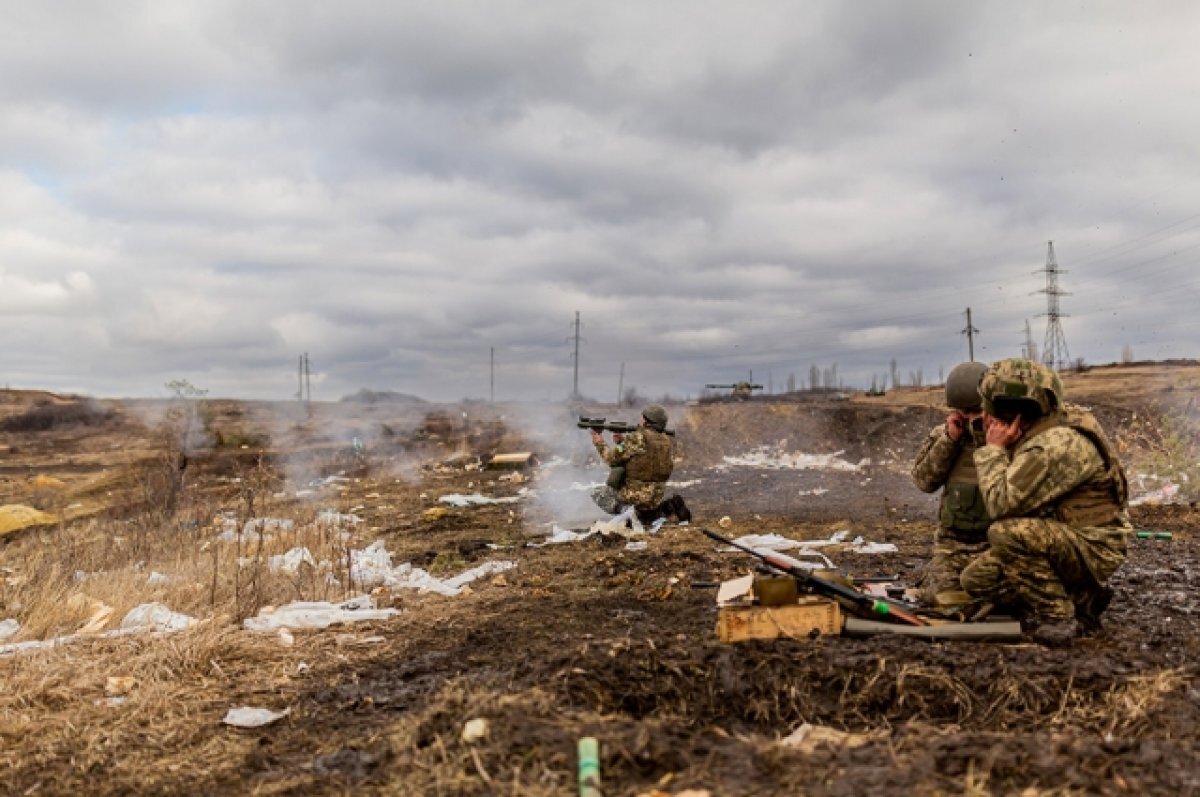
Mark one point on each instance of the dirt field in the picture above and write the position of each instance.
(579, 639)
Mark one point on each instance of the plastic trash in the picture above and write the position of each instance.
(475, 729)
(9, 629)
(589, 767)
(247, 717)
(475, 499)
(155, 617)
(291, 561)
(317, 614)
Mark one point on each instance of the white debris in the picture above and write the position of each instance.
(776, 542)
(625, 524)
(681, 485)
(559, 536)
(267, 525)
(155, 617)
(264, 527)
(814, 491)
(475, 729)
(635, 545)
(373, 567)
(246, 717)
(328, 517)
(147, 617)
(807, 738)
(859, 546)
(291, 561)
(1163, 495)
(156, 579)
(317, 614)
(774, 459)
(9, 629)
(475, 499)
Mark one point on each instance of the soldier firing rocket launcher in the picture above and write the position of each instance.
(605, 425)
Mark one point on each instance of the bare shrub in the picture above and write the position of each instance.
(47, 415)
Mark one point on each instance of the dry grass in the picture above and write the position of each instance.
(191, 564)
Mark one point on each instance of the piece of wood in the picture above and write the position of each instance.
(514, 461)
(812, 615)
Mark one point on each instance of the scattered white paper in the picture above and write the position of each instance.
(9, 629)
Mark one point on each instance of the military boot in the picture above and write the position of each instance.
(1054, 633)
(1088, 611)
(681, 512)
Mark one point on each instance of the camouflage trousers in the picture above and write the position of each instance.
(643, 495)
(607, 499)
(940, 585)
(1042, 566)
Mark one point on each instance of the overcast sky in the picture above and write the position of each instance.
(205, 190)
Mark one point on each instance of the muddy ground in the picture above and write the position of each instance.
(592, 639)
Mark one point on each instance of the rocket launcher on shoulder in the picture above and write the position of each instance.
(605, 425)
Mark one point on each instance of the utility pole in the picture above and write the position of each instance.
(1029, 348)
(621, 385)
(970, 332)
(307, 379)
(492, 378)
(300, 379)
(1054, 349)
(575, 384)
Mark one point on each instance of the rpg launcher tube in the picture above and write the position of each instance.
(589, 767)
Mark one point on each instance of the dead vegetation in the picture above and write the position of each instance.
(582, 639)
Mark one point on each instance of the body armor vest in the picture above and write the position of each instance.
(656, 463)
(1101, 500)
(962, 509)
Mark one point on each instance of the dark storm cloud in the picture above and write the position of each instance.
(207, 190)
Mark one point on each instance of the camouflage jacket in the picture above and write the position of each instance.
(634, 445)
(1030, 480)
(946, 463)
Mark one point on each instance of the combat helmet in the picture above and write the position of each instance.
(962, 386)
(1016, 381)
(656, 417)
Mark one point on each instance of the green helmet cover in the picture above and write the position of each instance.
(1020, 379)
(656, 417)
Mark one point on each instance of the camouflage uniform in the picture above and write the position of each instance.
(647, 455)
(1059, 500)
(943, 463)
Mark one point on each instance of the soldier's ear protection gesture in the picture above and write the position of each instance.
(1002, 433)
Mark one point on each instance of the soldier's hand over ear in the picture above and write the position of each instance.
(955, 425)
(1002, 433)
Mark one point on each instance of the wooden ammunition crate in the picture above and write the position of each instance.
(812, 615)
